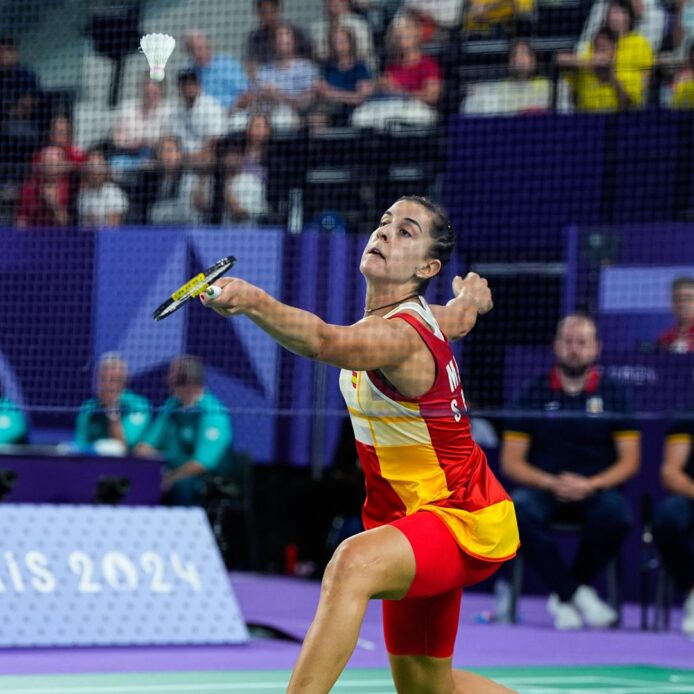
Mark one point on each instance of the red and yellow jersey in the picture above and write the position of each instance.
(418, 453)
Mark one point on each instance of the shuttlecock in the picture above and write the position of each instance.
(157, 49)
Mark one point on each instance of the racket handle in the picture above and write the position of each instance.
(213, 292)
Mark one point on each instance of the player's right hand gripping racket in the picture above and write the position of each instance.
(194, 287)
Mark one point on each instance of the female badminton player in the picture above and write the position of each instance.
(436, 518)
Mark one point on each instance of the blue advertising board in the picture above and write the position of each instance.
(97, 576)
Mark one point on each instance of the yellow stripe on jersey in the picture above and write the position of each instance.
(394, 419)
(414, 473)
(678, 438)
(485, 533)
(516, 436)
(626, 435)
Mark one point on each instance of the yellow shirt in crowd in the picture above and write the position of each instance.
(683, 91)
(502, 12)
(633, 58)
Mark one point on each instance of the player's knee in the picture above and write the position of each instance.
(348, 568)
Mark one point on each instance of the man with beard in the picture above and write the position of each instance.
(570, 451)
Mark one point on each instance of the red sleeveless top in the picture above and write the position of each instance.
(418, 453)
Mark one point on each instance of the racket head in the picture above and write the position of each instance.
(193, 287)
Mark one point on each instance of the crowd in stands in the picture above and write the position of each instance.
(193, 151)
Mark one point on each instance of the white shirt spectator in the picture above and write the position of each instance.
(131, 126)
(446, 13)
(320, 32)
(94, 205)
(249, 192)
(651, 25)
(195, 126)
(507, 97)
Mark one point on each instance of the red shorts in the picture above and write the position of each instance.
(425, 621)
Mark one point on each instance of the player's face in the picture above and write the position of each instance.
(683, 305)
(576, 345)
(399, 245)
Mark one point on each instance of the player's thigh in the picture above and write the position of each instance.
(378, 563)
(421, 674)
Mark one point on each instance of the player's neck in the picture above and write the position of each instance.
(380, 302)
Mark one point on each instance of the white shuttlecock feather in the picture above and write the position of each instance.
(157, 49)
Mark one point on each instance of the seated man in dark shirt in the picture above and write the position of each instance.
(673, 521)
(569, 457)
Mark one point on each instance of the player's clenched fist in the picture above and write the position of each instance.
(236, 296)
(476, 289)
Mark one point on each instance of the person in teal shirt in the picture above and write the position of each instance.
(114, 412)
(13, 424)
(192, 432)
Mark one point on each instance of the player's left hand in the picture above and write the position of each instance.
(238, 296)
(477, 290)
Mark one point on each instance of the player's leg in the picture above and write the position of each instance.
(420, 630)
(419, 674)
(376, 563)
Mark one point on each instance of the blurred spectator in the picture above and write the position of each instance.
(192, 431)
(243, 189)
(649, 21)
(220, 76)
(680, 338)
(19, 127)
(14, 427)
(258, 134)
(260, 45)
(571, 469)
(284, 88)
(45, 197)
(100, 202)
(60, 135)
(681, 27)
(615, 72)
(346, 81)
(197, 118)
(435, 15)
(139, 124)
(524, 91)
(682, 87)
(409, 72)
(167, 192)
(497, 17)
(411, 79)
(673, 519)
(115, 414)
(338, 13)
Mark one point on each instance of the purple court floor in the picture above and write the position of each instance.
(288, 604)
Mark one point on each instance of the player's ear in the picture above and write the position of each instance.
(429, 270)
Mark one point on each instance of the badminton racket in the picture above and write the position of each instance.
(194, 287)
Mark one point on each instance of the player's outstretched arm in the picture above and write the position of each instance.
(372, 343)
(471, 297)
